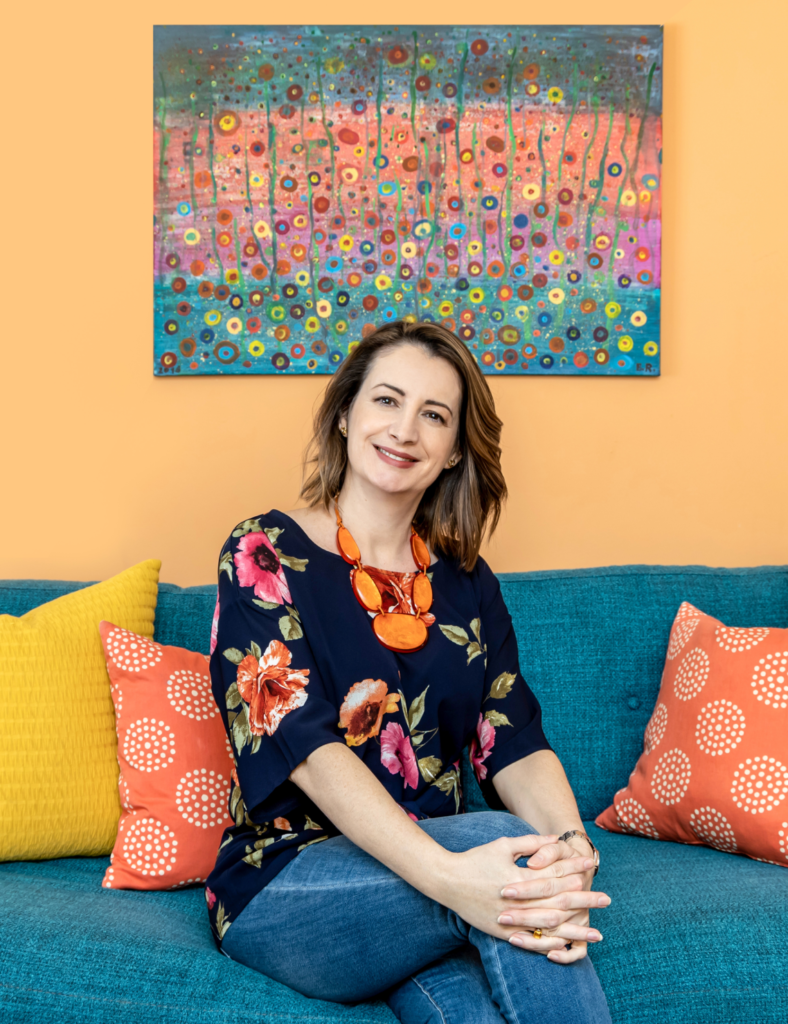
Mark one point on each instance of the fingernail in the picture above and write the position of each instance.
(509, 894)
(588, 864)
(505, 919)
(534, 860)
(603, 901)
(594, 936)
(552, 956)
(516, 941)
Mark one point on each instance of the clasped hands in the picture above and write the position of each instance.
(553, 893)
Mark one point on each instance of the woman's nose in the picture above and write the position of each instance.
(405, 427)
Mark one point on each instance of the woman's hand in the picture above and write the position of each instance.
(559, 906)
(550, 897)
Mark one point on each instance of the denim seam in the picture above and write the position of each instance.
(514, 1019)
(426, 993)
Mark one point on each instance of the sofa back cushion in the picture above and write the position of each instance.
(592, 647)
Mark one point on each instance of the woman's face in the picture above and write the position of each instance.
(402, 425)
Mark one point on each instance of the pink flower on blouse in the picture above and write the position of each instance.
(259, 567)
(481, 745)
(215, 625)
(396, 753)
(210, 898)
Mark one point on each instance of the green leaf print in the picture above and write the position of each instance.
(495, 718)
(226, 564)
(234, 655)
(430, 768)
(501, 686)
(450, 782)
(222, 920)
(233, 697)
(290, 625)
(456, 634)
(266, 604)
(247, 526)
(272, 533)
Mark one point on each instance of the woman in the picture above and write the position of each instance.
(359, 645)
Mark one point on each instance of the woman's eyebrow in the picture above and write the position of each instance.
(428, 401)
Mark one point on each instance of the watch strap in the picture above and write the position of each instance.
(583, 835)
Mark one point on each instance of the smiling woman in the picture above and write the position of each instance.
(460, 426)
(360, 644)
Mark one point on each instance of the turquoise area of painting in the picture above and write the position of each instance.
(528, 222)
(604, 356)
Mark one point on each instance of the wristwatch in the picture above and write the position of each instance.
(584, 835)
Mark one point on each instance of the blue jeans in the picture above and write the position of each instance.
(337, 924)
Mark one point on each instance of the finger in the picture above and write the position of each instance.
(525, 846)
(568, 900)
(544, 944)
(543, 917)
(565, 932)
(541, 887)
(568, 956)
(551, 852)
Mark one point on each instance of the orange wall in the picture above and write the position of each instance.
(103, 465)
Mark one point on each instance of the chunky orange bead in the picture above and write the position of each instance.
(366, 590)
(422, 593)
(400, 632)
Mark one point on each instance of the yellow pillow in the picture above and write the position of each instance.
(58, 747)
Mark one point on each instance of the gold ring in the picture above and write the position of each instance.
(537, 933)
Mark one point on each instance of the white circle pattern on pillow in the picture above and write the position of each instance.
(132, 653)
(149, 745)
(201, 797)
(759, 784)
(713, 828)
(681, 633)
(735, 639)
(720, 727)
(770, 680)
(671, 776)
(633, 817)
(691, 675)
(150, 847)
(783, 837)
(655, 729)
(190, 693)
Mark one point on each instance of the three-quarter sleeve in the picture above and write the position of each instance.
(509, 726)
(264, 676)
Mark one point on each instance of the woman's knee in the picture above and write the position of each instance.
(464, 831)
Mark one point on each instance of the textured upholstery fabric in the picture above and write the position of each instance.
(58, 749)
(693, 936)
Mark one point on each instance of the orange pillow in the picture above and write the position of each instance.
(175, 764)
(714, 767)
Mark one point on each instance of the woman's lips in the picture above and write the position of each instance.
(390, 456)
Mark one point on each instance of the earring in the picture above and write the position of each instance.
(452, 462)
(343, 431)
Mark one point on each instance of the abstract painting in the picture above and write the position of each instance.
(313, 183)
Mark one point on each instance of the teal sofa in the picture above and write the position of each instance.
(693, 936)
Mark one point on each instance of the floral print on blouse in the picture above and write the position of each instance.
(295, 664)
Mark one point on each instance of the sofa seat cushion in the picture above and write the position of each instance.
(693, 936)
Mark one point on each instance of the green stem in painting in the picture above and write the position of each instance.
(257, 241)
(460, 95)
(601, 179)
(271, 185)
(329, 136)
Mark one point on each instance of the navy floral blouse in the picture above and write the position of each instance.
(295, 664)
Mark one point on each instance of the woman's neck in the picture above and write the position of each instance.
(380, 523)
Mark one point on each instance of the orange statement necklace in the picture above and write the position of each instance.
(399, 631)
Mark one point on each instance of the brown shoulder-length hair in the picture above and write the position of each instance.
(464, 502)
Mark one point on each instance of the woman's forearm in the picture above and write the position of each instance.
(341, 785)
(536, 789)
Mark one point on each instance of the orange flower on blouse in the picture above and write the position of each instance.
(363, 709)
(270, 687)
